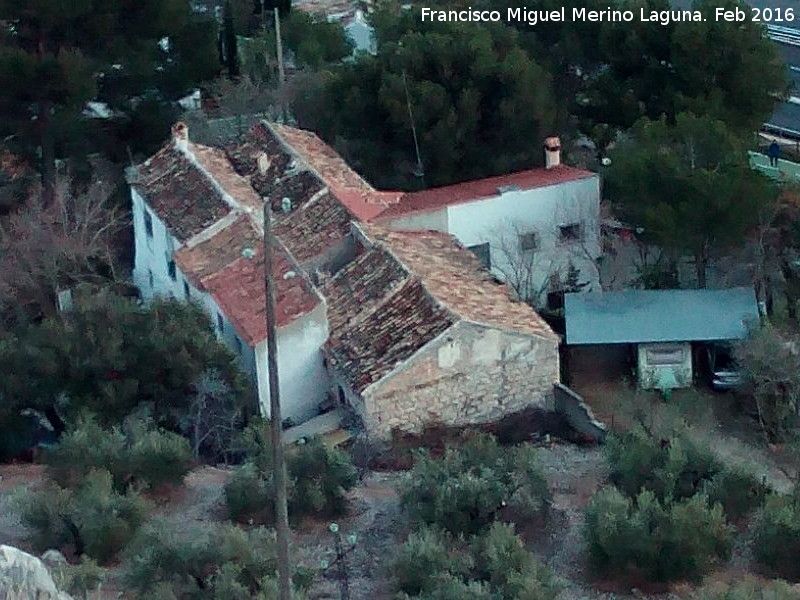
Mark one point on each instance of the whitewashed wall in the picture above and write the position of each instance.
(303, 377)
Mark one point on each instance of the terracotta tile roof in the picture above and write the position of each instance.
(217, 165)
(455, 277)
(405, 290)
(406, 320)
(344, 183)
(218, 251)
(434, 198)
(314, 227)
(179, 193)
(239, 291)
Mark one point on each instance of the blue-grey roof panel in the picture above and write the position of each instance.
(641, 316)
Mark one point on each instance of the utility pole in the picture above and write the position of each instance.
(419, 170)
(281, 71)
(281, 508)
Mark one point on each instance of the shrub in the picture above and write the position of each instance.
(672, 467)
(83, 448)
(463, 491)
(249, 495)
(749, 588)
(319, 477)
(159, 457)
(145, 456)
(432, 564)
(777, 535)
(678, 540)
(79, 580)
(738, 492)
(93, 518)
(422, 560)
(207, 561)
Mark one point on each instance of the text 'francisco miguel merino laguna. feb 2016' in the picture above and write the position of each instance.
(657, 17)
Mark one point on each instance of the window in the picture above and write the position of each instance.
(148, 224)
(664, 356)
(220, 323)
(528, 241)
(238, 343)
(171, 269)
(186, 291)
(570, 233)
(150, 277)
(483, 252)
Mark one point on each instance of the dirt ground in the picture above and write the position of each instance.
(574, 474)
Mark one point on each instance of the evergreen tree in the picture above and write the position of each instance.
(229, 43)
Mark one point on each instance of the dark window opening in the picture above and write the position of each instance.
(171, 269)
(220, 323)
(484, 254)
(150, 277)
(238, 343)
(186, 291)
(570, 233)
(528, 241)
(342, 397)
(148, 224)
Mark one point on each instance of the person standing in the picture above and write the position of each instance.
(774, 152)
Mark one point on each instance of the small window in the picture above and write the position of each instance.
(186, 291)
(171, 269)
(150, 277)
(664, 356)
(220, 323)
(528, 241)
(238, 343)
(148, 224)
(483, 252)
(570, 233)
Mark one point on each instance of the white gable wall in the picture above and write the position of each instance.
(304, 380)
(303, 377)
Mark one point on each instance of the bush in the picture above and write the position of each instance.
(207, 561)
(144, 456)
(678, 540)
(748, 589)
(463, 491)
(93, 518)
(738, 492)
(672, 467)
(250, 495)
(777, 535)
(432, 564)
(319, 478)
(79, 580)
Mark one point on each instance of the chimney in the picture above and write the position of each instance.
(180, 135)
(552, 152)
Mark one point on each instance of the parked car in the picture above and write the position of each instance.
(724, 373)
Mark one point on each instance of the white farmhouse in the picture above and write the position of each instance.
(527, 227)
(198, 236)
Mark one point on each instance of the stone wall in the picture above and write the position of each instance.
(471, 374)
(578, 414)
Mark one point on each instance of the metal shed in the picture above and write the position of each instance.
(662, 324)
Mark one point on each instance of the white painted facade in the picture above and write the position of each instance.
(543, 213)
(303, 377)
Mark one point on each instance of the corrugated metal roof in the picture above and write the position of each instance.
(641, 316)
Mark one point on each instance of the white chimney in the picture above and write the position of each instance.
(552, 152)
(180, 136)
(263, 163)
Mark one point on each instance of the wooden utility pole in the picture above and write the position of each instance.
(279, 466)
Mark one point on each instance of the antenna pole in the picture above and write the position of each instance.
(420, 168)
(281, 507)
(281, 70)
